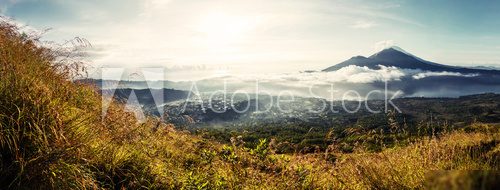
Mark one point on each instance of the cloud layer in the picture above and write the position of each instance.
(444, 73)
(363, 80)
(349, 74)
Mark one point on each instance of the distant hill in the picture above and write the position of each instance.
(145, 96)
(397, 57)
(145, 93)
(152, 97)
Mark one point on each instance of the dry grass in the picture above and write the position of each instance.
(53, 137)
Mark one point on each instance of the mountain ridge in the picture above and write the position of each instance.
(397, 57)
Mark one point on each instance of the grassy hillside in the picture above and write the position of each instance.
(53, 136)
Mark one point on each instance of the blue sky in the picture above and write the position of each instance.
(195, 37)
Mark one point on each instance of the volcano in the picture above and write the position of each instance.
(397, 57)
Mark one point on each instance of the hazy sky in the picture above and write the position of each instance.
(195, 37)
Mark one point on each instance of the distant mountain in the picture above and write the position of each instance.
(397, 57)
(147, 96)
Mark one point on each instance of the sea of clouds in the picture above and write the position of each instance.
(351, 82)
(348, 74)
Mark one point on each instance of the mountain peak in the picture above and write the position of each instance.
(358, 57)
(392, 51)
(397, 57)
(395, 52)
(397, 48)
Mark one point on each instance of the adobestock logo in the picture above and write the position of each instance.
(225, 100)
(134, 87)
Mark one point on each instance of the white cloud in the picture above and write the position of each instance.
(363, 24)
(346, 76)
(355, 74)
(349, 74)
(383, 45)
(328, 85)
(431, 74)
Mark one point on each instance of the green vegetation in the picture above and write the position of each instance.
(372, 131)
(53, 136)
(420, 117)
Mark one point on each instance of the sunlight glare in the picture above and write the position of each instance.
(219, 29)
